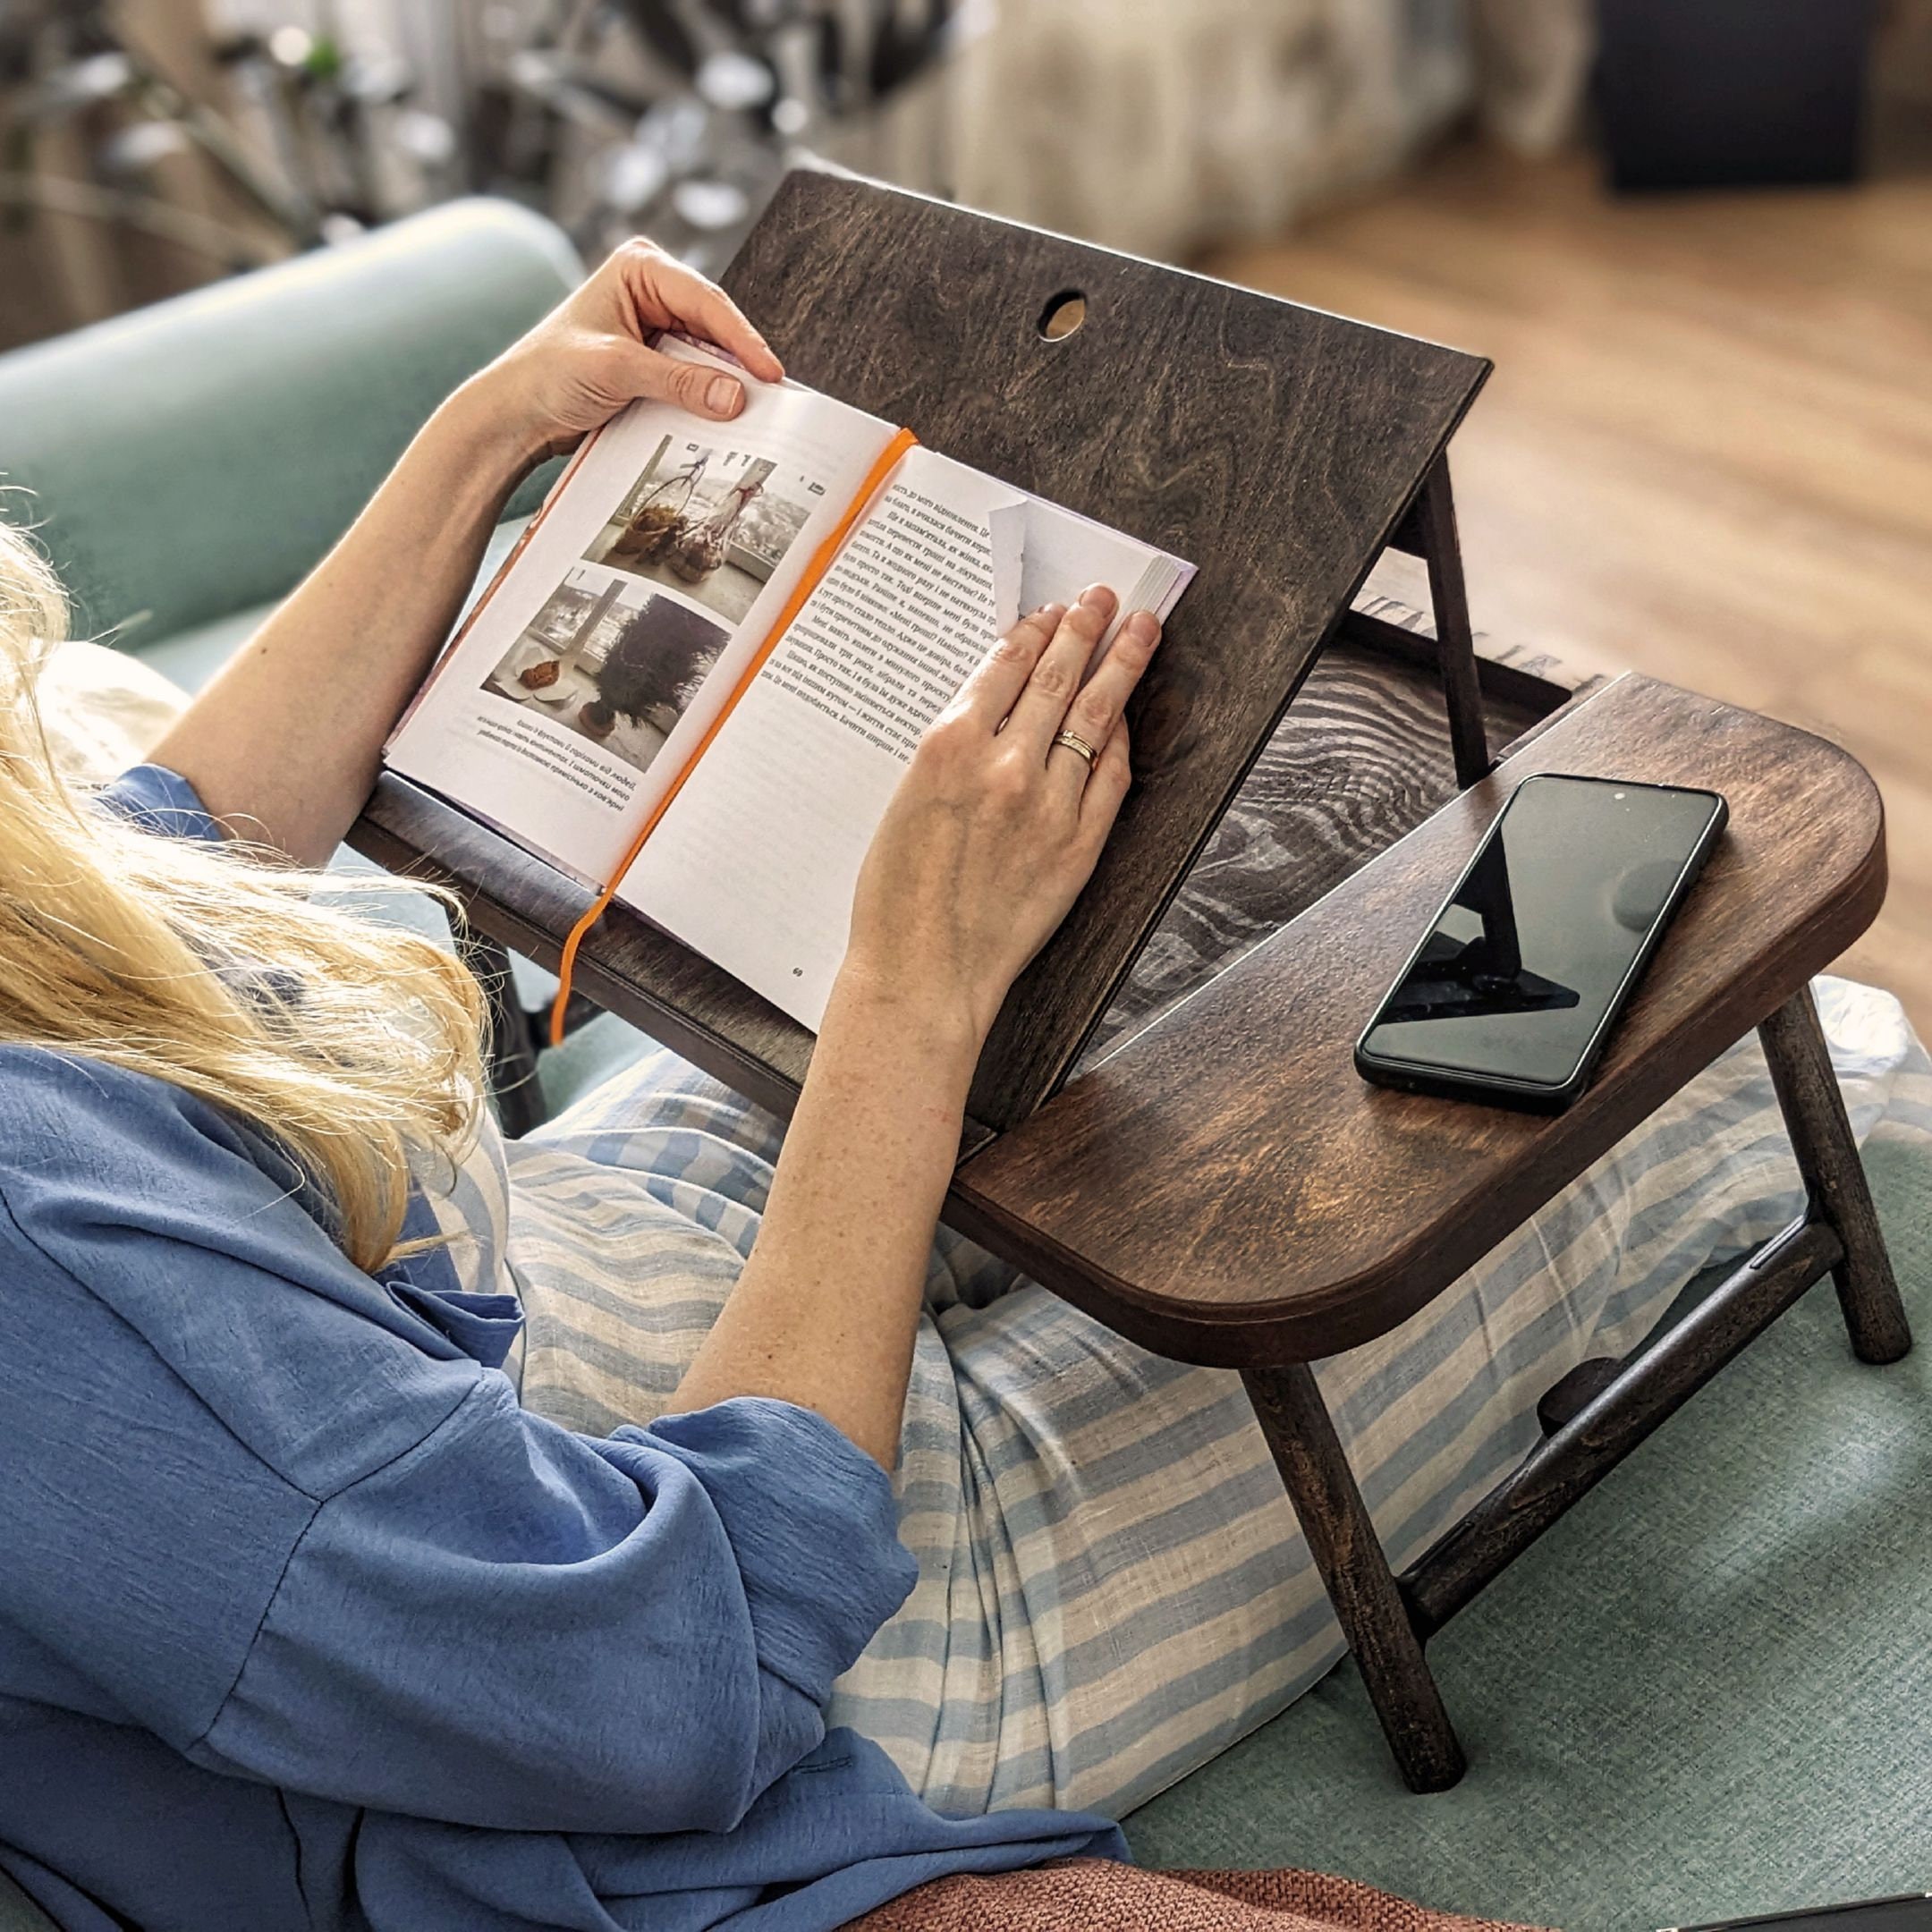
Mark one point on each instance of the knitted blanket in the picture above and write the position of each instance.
(1099, 1895)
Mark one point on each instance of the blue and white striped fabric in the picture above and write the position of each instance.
(1112, 1585)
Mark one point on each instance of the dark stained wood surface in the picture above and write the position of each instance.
(1275, 446)
(1362, 757)
(1225, 1189)
(1355, 1572)
(1440, 547)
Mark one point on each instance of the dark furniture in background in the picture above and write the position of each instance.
(1732, 93)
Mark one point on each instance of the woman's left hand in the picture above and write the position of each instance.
(587, 359)
(997, 824)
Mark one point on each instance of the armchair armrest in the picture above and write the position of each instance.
(195, 458)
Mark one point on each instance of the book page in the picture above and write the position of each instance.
(756, 860)
(586, 679)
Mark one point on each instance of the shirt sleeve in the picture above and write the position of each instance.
(158, 800)
(258, 1506)
(514, 1626)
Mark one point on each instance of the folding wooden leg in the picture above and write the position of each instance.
(1835, 1177)
(1349, 1555)
(512, 1051)
(1455, 639)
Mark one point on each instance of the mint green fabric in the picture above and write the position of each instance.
(192, 655)
(193, 459)
(1703, 1694)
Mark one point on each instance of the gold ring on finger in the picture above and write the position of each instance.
(1075, 744)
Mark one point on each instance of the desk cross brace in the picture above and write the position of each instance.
(1388, 1619)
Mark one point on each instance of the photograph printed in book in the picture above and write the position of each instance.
(616, 662)
(711, 523)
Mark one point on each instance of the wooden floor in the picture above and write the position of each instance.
(1707, 450)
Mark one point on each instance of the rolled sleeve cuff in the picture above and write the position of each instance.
(812, 1523)
(158, 800)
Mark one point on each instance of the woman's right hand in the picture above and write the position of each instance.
(994, 827)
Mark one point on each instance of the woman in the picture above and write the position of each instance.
(308, 1620)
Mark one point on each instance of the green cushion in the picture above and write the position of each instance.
(1703, 1694)
(590, 1055)
(192, 655)
(194, 459)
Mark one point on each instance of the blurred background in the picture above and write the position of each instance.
(1696, 235)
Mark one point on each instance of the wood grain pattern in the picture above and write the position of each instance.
(1441, 549)
(1362, 757)
(1225, 1189)
(1275, 446)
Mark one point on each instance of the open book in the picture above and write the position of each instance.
(699, 676)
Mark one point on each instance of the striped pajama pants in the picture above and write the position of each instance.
(1112, 1585)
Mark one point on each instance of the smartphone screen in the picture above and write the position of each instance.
(1517, 978)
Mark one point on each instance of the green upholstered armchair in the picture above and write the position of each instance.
(185, 465)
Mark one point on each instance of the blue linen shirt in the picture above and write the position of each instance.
(305, 1622)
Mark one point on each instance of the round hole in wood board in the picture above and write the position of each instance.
(1063, 315)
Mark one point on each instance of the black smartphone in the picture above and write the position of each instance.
(1514, 988)
(1910, 1912)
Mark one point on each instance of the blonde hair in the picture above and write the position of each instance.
(354, 1047)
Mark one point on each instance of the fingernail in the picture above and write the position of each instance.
(725, 396)
(1098, 597)
(1143, 627)
(1050, 613)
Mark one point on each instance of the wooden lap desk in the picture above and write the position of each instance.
(1225, 1189)
(1215, 1181)
(1220, 1186)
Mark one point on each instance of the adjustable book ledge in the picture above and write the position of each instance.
(1278, 448)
